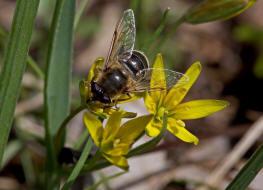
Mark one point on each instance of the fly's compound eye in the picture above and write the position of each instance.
(99, 94)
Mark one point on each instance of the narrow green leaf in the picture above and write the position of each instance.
(248, 172)
(14, 64)
(106, 184)
(30, 61)
(58, 73)
(12, 148)
(81, 140)
(258, 67)
(167, 35)
(82, 6)
(157, 32)
(28, 168)
(74, 174)
(35, 67)
(106, 179)
(3, 32)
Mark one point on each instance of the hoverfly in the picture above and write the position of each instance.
(127, 70)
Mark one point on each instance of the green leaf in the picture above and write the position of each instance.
(258, 67)
(3, 32)
(248, 172)
(12, 148)
(58, 74)
(82, 6)
(74, 174)
(81, 139)
(150, 144)
(249, 34)
(14, 64)
(93, 187)
(157, 32)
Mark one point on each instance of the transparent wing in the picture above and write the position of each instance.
(123, 39)
(173, 78)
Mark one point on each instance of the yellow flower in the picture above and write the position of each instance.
(169, 102)
(97, 107)
(114, 141)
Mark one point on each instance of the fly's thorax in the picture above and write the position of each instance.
(135, 65)
(113, 81)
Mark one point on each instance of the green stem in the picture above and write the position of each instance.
(157, 32)
(3, 33)
(35, 67)
(92, 161)
(168, 34)
(75, 172)
(81, 140)
(60, 134)
(82, 6)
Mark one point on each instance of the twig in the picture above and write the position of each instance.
(239, 150)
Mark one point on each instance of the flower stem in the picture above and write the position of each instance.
(59, 137)
(157, 32)
(177, 23)
(35, 67)
(92, 161)
(83, 4)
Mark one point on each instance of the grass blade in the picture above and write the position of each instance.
(74, 174)
(12, 148)
(35, 68)
(248, 172)
(14, 64)
(82, 6)
(58, 74)
(157, 32)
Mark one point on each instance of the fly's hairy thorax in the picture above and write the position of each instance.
(113, 81)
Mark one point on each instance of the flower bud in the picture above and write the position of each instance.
(212, 10)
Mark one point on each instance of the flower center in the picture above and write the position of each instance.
(116, 142)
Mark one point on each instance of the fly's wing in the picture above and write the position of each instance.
(123, 39)
(173, 78)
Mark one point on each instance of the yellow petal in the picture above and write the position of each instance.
(198, 108)
(177, 129)
(94, 126)
(158, 79)
(131, 129)
(94, 68)
(153, 128)
(119, 161)
(112, 127)
(119, 149)
(149, 103)
(178, 92)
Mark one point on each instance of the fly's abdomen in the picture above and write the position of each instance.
(136, 64)
(113, 82)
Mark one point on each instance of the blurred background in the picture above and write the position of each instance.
(231, 54)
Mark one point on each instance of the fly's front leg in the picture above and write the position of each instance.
(124, 99)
